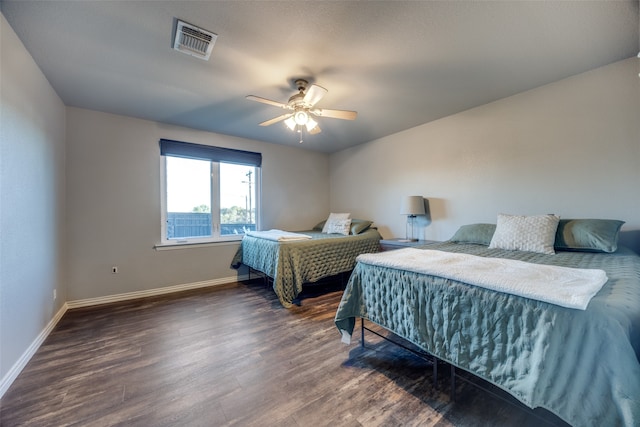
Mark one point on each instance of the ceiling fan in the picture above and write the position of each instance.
(302, 109)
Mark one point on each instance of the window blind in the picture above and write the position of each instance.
(189, 150)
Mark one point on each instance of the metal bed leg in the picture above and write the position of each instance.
(453, 383)
(435, 371)
(434, 359)
(260, 274)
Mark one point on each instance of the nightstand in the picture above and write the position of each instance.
(391, 244)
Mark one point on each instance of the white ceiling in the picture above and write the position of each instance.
(399, 64)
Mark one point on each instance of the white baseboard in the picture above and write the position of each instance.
(15, 370)
(17, 367)
(153, 292)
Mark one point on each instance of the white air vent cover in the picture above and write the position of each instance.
(194, 41)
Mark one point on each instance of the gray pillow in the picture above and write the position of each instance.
(480, 234)
(319, 226)
(588, 235)
(360, 225)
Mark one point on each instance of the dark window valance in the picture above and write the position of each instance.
(189, 150)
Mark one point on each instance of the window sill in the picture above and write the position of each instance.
(188, 245)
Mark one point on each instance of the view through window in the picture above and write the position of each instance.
(208, 199)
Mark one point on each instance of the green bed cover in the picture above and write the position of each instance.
(290, 264)
(581, 365)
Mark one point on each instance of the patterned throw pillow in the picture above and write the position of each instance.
(333, 217)
(535, 233)
(339, 226)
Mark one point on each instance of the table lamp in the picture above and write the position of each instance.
(412, 206)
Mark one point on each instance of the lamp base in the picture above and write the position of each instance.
(409, 230)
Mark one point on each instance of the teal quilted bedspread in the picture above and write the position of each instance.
(291, 264)
(581, 365)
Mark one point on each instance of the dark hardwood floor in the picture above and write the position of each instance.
(232, 355)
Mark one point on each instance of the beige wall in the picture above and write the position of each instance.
(113, 209)
(32, 198)
(570, 148)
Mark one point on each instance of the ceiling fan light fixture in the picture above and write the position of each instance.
(291, 124)
(311, 124)
(301, 117)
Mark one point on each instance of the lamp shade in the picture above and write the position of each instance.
(291, 124)
(412, 205)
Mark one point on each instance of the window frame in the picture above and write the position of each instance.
(253, 160)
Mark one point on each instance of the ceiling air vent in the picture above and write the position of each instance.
(194, 41)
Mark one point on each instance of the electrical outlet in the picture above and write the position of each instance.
(55, 294)
(114, 269)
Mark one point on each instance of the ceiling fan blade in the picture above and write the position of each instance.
(266, 101)
(314, 130)
(335, 114)
(314, 94)
(276, 119)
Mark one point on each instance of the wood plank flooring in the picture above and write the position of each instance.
(232, 356)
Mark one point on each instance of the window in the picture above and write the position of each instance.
(209, 193)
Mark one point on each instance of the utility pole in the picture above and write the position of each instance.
(248, 175)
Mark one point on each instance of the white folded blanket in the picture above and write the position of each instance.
(278, 235)
(563, 286)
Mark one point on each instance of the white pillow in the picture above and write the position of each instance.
(535, 233)
(334, 217)
(340, 226)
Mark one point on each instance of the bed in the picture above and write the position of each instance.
(582, 365)
(290, 264)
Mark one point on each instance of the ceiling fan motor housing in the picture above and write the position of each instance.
(301, 84)
(297, 100)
